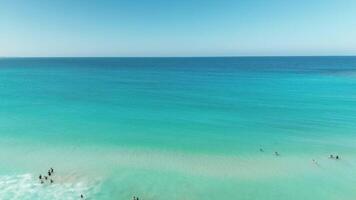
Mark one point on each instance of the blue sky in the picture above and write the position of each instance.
(177, 27)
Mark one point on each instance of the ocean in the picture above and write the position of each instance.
(178, 128)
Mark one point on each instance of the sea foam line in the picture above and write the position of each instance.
(27, 187)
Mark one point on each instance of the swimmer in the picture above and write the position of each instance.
(276, 153)
(315, 162)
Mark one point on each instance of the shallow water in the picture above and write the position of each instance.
(178, 128)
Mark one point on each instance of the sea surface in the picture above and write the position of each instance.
(178, 128)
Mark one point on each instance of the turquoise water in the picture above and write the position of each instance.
(178, 128)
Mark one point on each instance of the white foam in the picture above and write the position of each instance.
(28, 187)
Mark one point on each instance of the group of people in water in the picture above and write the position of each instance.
(275, 153)
(49, 177)
(45, 178)
(336, 157)
(135, 198)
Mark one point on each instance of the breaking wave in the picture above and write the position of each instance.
(28, 187)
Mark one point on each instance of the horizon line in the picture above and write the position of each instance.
(246, 56)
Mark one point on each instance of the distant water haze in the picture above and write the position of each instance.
(178, 128)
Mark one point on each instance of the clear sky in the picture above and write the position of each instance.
(177, 27)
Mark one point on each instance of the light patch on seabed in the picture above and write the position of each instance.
(88, 169)
(100, 161)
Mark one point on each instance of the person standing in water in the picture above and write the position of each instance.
(315, 162)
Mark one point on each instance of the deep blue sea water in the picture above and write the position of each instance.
(178, 128)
